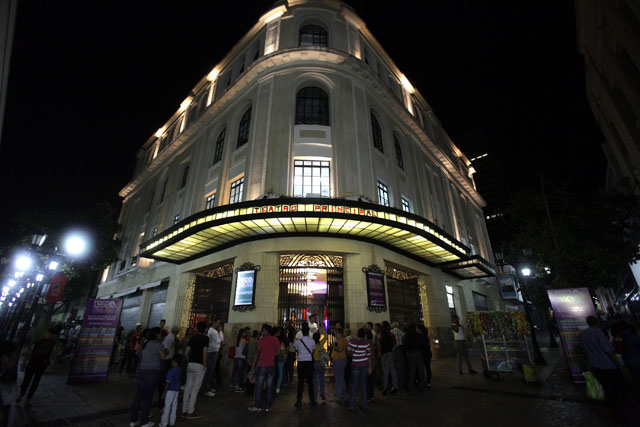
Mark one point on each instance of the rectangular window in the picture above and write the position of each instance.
(383, 194)
(450, 302)
(185, 176)
(176, 219)
(406, 205)
(480, 302)
(211, 199)
(236, 190)
(219, 146)
(311, 178)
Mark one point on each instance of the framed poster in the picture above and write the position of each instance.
(376, 296)
(507, 286)
(245, 293)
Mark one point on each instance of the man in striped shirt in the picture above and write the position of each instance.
(360, 351)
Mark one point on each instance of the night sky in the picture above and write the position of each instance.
(91, 81)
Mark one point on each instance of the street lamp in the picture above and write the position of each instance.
(537, 355)
(23, 263)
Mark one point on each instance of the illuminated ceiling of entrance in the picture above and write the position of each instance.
(219, 228)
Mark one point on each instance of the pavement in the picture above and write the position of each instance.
(469, 400)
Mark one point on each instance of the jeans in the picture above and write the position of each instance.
(339, 366)
(207, 385)
(264, 374)
(463, 352)
(318, 379)
(166, 365)
(388, 368)
(237, 376)
(427, 364)
(305, 373)
(32, 374)
(147, 383)
(400, 363)
(359, 380)
(280, 366)
(195, 374)
(170, 408)
(416, 365)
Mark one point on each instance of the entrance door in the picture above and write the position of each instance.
(404, 300)
(311, 284)
(211, 295)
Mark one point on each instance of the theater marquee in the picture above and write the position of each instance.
(224, 226)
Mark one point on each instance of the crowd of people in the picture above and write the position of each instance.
(378, 356)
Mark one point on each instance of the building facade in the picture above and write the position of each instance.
(304, 174)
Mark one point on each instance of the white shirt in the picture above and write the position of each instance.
(313, 328)
(215, 339)
(458, 336)
(305, 355)
(169, 344)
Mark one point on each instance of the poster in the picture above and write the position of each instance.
(507, 287)
(95, 343)
(245, 286)
(375, 290)
(571, 308)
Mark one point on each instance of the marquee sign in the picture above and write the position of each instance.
(224, 226)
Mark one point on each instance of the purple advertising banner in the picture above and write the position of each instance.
(95, 343)
(375, 290)
(571, 308)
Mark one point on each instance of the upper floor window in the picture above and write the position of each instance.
(176, 219)
(243, 128)
(311, 178)
(398, 149)
(236, 190)
(406, 204)
(211, 200)
(155, 231)
(383, 194)
(313, 35)
(376, 132)
(185, 176)
(164, 189)
(217, 156)
(312, 106)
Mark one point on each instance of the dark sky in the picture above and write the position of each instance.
(91, 81)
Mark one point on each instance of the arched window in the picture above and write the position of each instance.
(243, 128)
(313, 35)
(377, 133)
(396, 145)
(219, 147)
(312, 106)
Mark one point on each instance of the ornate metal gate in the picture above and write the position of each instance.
(211, 295)
(311, 284)
(404, 296)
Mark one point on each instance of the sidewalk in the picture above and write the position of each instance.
(454, 400)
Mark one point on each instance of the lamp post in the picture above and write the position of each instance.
(537, 355)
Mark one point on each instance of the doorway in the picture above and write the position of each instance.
(404, 297)
(211, 295)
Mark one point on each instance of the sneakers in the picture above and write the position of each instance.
(238, 390)
(210, 394)
(134, 423)
(149, 424)
(277, 391)
(193, 416)
(254, 409)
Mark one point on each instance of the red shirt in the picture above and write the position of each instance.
(268, 348)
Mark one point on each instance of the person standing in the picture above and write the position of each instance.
(305, 346)
(240, 360)
(164, 330)
(266, 369)
(386, 345)
(339, 357)
(413, 345)
(399, 356)
(196, 365)
(36, 363)
(291, 354)
(281, 356)
(461, 344)
(216, 337)
(319, 366)
(171, 392)
(603, 364)
(360, 350)
(182, 350)
(148, 375)
(169, 343)
(426, 351)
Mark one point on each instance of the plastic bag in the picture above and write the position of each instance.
(594, 389)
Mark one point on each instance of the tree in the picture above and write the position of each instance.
(577, 240)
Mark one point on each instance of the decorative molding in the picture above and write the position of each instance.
(216, 272)
(377, 309)
(248, 266)
(306, 260)
(394, 273)
(373, 268)
(243, 307)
